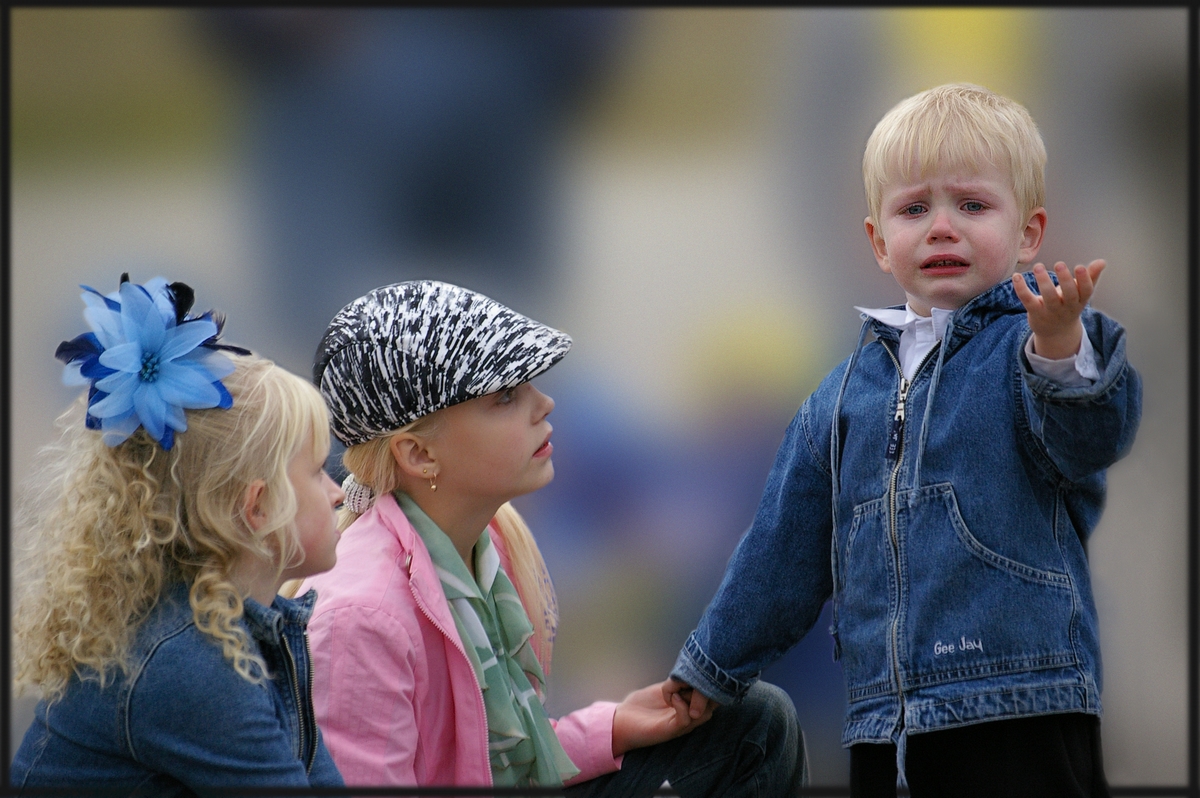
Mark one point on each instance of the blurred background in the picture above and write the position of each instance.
(680, 190)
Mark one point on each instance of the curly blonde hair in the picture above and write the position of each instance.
(108, 528)
(373, 465)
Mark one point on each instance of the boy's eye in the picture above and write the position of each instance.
(912, 210)
(506, 396)
(972, 206)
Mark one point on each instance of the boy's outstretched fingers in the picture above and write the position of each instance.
(1089, 275)
(1077, 288)
(1034, 302)
(1054, 312)
(1027, 297)
(1073, 290)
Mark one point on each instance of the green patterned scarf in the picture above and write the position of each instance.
(496, 632)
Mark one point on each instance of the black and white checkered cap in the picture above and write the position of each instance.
(408, 349)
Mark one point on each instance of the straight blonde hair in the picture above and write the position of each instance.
(952, 127)
(107, 528)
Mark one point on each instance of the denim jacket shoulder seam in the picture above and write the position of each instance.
(132, 683)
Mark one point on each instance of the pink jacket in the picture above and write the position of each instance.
(394, 693)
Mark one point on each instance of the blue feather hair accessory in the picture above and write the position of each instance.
(147, 360)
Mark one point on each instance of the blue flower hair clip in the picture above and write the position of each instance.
(147, 360)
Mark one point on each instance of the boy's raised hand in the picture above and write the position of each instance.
(1054, 314)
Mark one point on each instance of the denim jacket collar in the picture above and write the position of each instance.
(267, 623)
(999, 300)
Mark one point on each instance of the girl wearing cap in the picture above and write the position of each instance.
(428, 669)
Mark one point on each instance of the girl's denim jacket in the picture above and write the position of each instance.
(948, 518)
(182, 720)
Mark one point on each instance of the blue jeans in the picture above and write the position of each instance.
(752, 749)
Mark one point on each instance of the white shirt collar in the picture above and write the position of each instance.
(932, 328)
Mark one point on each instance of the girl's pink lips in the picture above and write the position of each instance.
(545, 450)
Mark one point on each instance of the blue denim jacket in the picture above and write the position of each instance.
(948, 518)
(183, 720)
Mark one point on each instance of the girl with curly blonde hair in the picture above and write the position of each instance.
(184, 489)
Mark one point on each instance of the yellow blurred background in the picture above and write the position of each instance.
(680, 190)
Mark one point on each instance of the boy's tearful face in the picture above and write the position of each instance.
(949, 236)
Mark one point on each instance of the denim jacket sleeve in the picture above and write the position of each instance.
(189, 714)
(779, 576)
(1077, 432)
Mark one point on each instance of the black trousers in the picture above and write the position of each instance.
(1046, 756)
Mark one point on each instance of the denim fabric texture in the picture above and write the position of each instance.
(949, 525)
(754, 749)
(183, 720)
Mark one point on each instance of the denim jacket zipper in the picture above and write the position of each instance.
(895, 450)
(293, 678)
(309, 709)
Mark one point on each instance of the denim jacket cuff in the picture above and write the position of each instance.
(695, 668)
(1108, 358)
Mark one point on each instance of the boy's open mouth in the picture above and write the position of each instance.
(944, 265)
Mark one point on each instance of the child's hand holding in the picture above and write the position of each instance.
(1054, 314)
(698, 703)
(653, 715)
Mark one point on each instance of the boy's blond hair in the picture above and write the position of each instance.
(952, 127)
(109, 527)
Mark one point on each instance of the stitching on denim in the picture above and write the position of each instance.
(1076, 610)
(131, 684)
(1103, 390)
(711, 670)
(805, 428)
(1046, 576)
(1005, 667)
(871, 508)
(1079, 698)
(877, 688)
(1033, 443)
(41, 746)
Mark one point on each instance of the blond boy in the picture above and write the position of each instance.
(941, 483)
